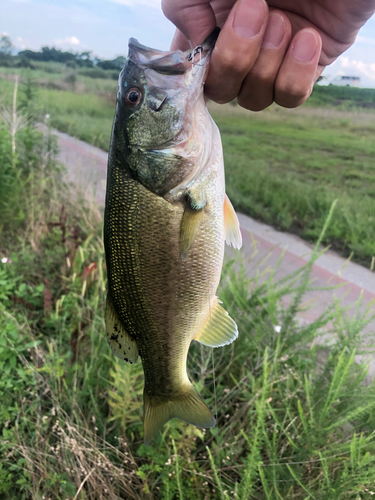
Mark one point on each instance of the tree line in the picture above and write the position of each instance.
(84, 59)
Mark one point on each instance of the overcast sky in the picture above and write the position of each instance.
(104, 27)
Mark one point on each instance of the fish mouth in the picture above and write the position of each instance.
(172, 63)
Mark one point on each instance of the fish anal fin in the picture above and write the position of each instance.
(232, 226)
(187, 406)
(190, 224)
(219, 329)
(120, 342)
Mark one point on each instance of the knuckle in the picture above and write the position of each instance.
(257, 90)
(220, 98)
(231, 62)
(255, 103)
(264, 79)
(293, 90)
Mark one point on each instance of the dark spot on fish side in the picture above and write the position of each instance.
(159, 357)
(120, 346)
(126, 359)
(114, 337)
(115, 327)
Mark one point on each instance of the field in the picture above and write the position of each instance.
(295, 415)
(284, 167)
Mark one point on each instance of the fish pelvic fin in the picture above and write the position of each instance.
(219, 328)
(232, 226)
(121, 343)
(187, 406)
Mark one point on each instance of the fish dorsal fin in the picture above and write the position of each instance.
(190, 223)
(120, 342)
(219, 329)
(232, 226)
(187, 406)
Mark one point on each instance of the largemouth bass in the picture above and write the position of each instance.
(166, 220)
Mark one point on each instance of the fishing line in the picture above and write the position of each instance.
(198, 50)
(214, 380)
(192, 54)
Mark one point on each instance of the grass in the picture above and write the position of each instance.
(295, 416)
(83, 108)
(284, 167)
(344, 97)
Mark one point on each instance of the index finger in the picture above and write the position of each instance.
(194, 18)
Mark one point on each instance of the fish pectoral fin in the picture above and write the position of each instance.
(219, 329)
(188, 406)
(121, 343)
(232, 226)
(190, 224)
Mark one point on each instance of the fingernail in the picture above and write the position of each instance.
(304, 47)
(249, 18)
(274, 32)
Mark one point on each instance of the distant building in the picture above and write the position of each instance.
(342, 81)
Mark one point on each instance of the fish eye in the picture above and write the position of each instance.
(133, 97)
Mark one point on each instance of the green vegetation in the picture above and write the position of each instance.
(344, 97)
(286, 168)
(295, 418)
(82, 107)
(32, 59)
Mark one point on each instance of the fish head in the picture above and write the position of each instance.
(157, 92)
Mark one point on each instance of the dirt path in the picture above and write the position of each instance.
(262, 248)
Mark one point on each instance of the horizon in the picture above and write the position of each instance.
(80, 25)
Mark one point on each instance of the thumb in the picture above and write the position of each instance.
(194, 18)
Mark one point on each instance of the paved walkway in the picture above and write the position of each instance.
(262, 248)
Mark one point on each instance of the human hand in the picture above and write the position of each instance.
(270, 50)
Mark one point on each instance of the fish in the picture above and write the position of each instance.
(166, 221)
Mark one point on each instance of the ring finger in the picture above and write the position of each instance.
(236, 49)
(257, 91)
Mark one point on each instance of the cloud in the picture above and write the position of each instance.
(20, 43)
(365, 39)
(359, 67)
(156, 4)
(70, 43)
(69, 40)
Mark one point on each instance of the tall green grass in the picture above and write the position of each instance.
(286, 169)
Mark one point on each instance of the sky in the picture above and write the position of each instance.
(104, 27)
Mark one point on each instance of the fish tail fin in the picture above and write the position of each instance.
(188, 406)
